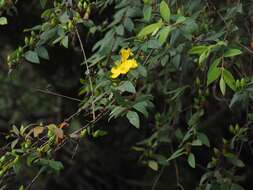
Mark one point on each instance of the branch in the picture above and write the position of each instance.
(88, 73)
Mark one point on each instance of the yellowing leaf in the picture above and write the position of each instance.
(58, 133)
(37, 131)
(153, 165)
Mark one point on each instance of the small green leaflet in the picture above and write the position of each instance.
(229, 79)
(133, 118)
(149, 29)
(180, 20)
(222, 86)
(127, 86)
(153, 165)
(164, 33)
(191, 160)
(165, 11)
(42, 52)
(65, 41)
(147, 12)
(32, 56)
(214, 72)
(3, 21)
(99, 133)
(197, 142)
(198, 49)
(176, 154)
(141, 107)
(204, 139)
(232, 52)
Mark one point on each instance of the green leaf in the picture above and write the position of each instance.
(222, 86)
(128, 24)
(147, 12)
(198, 49)
(165, 11)
(176, 154)
(54, 165)
(133, 118)
(213, 75)
(235, 161)
(204, 55)
(204, 139)
(153, 165)
(42, 52)
(180, 20)
(191, 160)
(196, 142)
(232, 52)
(99, 133)
(229, 79)
(141, 107)
(64, 18)
(32, 57)
(65, 41)
(149, 29)
(213, 72)
(127, 86)
(3, 21)
(118, 110)
(163, 34)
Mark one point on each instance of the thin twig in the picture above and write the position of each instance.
(88, 73)
(73, 115)
(176, 171)
(157, 178)
(55, 94)
(245, 47)
(147, 58)
(34, 179)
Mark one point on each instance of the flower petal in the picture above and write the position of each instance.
(125, 53)
(124, 68)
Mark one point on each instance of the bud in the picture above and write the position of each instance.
(197, 81)
(237, 128)
(79, 5)
(231, 128)
(70, 25)
(216, 152)
(84, 5)
(83, 133)
(237, 84)
(8, 58)
(2, 159)
(242, 83)
(26, 41)
(20, 49)
(200, 92)
(88, 11)
(31, 41)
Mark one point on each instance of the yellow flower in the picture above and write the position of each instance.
(124, 65)
(125, 53)
(115, 72)
(132, 63)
